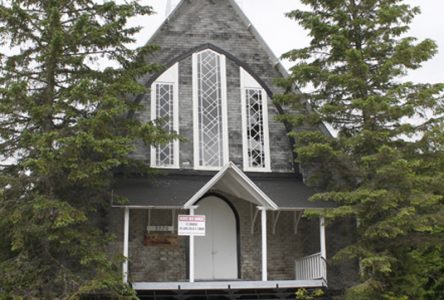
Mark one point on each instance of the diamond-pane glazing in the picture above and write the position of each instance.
(165, 113)
(210, 110)
(255, 128)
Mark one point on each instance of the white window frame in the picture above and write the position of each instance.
(196, 138)
(248, 82)
(170, 76)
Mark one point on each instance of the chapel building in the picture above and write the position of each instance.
(234, 164)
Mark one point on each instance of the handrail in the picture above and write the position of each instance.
(309, 256)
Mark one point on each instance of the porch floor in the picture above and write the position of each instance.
(220, 285)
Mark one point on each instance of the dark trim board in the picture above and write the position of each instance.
(218, 285)
(228, 294)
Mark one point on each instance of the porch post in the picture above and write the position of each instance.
(191, 258)
(322, 237)
(264, 243)
(323, 247)
(125, 244)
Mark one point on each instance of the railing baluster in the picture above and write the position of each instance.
(309, 268)
(315, 267)
(312, 260)
(318, 270)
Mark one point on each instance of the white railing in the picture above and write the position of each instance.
(311, 267)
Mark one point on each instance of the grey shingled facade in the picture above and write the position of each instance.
(200, 24)
(196, 25)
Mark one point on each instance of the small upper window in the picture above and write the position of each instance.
(256, 146)
(164, 110)
(210, 110)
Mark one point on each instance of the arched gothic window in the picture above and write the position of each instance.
(210, 110)
(256, 144)
(165, 110)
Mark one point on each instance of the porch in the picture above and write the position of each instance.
(228, 285)
(270, 239)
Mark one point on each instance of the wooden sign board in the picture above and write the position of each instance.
(160, 228)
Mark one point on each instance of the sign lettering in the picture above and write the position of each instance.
(191, 225)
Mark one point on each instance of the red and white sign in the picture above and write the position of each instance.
(191, 225)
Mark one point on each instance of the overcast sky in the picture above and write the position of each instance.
(283, 34)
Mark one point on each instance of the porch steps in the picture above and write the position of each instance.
(226, 294)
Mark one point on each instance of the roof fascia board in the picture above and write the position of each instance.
(206, 187)
(256, 189)
(147, 207)
(273, 58)
(252, 191)
(302, 208)
(166, 21)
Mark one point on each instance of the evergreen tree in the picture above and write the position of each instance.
(385, 167)
(64, 121)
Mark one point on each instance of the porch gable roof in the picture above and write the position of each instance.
(234, 177)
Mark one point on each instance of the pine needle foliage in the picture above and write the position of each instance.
(64, 128)
(385, 165)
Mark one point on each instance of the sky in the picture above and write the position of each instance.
(283, 34)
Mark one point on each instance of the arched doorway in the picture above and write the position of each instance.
(216, 254)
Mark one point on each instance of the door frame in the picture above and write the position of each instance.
(236, 217)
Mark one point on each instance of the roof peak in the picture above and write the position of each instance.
(236, 5)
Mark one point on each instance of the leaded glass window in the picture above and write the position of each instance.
(165, 115)
(255, 128)
(164, 112)
(255, 124)
(210, 133)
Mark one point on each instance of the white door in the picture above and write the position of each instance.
(216, 252)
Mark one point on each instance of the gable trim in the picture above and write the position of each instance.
(246, 182)
(273, 58)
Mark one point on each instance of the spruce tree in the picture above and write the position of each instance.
(385, 165)
(64, 129)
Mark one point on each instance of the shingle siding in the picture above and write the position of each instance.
(216, 23)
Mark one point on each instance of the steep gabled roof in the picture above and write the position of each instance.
(243, 17)
(220, 23)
